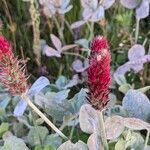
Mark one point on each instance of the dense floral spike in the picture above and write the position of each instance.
(99, 73)
(12, 71)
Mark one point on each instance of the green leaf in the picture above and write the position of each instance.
(120, 79)
(144, 89)
(120, 145)
(39, 147)
(137, 104)
(37, 135)
(133, 140)
(3, 128)
(78, 100)
(70, 146)
(14, 143)
(53, 140)
(124, 88)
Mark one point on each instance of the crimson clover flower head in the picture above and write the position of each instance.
(99, 73)
(12, 71)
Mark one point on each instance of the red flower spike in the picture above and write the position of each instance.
(12, 71)
(99, 73)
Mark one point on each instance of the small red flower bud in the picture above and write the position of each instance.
(5, 45)
(12, 71)
(99, 73)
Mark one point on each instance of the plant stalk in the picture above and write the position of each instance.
(137, 30)
(146, 140)
(29, 102)
(102, 131)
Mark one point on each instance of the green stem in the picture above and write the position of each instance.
(146, 140)
(59, 29)
(145, 41)
(91, 31)
(29, 102)
(102, 131)
(74, 54)
(137, 30)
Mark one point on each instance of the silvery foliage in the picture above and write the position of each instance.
(141, 6)
(68, 145)
(57, 105)
(80, 66)
(38, 85)
(93, 11)
(51, 7)
(114, 126)
(137, 104)
(59, 48)
(137, 58)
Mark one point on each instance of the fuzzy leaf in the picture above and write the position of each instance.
(135, 65)
(78, 100)
(53, 140)
(116, 110)
(67, 47)
(83, 42)
(49, 51)
(37, 135)
(77, 24)
(3, 128)
(135, 52)
(63, 11)
(137, 105)
(58, 108)
(70, 146)
(87, 118)
(120, 145)
(72, 82)
(20, 108)
(98, 14)
(94, 142)
(107, 3)
(119, 77)
(114, 127)
(87, 13)
(63, 83)
(37, 86)
(125, 88)
(64, 4)
(131, 4)
(144, 89)
(14, 143)
(89, 3)
(79, 66)
(56, 41)
(136, 124)
(143, 10)
(60, 96)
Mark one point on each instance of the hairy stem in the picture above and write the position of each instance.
(102, 131)
(29, 102)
